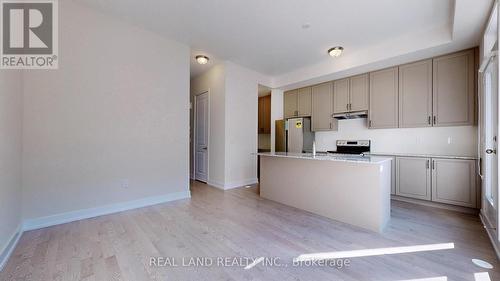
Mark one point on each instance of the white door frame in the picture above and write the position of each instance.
(194, 134)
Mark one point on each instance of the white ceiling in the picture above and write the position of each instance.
(267, 36)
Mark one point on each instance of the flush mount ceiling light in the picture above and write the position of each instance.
(335, 51)
(202, 59)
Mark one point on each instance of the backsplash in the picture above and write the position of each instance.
(457, 141)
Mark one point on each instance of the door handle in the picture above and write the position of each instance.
(491, 151)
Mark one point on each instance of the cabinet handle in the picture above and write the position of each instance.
(429, 119)
(435, 120)
(350, 106)
(433, 165)
(330, 125)
(347, 106)
(427, 164)
(370, 123)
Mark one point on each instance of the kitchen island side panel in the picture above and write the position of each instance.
(353, 193)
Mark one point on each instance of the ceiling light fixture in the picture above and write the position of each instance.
(335, 51)
(202, 59)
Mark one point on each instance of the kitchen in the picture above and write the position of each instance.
(421, 117)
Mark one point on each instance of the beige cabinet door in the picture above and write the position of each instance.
(453, 89)
(341, 96)
(358, 93)
(304, 102)
(415, 94)
(290, 104)
(454, 182)
(383, 109)
(322, 108)
(413, 177)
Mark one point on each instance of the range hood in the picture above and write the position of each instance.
(351, 115)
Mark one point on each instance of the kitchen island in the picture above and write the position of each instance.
(354, 189)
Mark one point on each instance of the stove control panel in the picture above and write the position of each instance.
(353, 143)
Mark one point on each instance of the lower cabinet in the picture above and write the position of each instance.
(413, 177)
(454, 182)
(443, 180)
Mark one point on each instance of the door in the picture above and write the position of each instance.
(322, 103)
(304, 102)
(341, 96)
(415, 95)
(383, 112)
(454, 182)
(201, 137)
(358, 93)
(265, 115)
(453, 89)
(290, 104)
(488, 139)
(413, 177)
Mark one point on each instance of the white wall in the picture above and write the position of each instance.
(460, 141)
(212, 81)
(233, 123)
(276, 113)
(241, 125)
(10, 155)
(116, 113)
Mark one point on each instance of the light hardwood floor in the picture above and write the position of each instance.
(238, 223)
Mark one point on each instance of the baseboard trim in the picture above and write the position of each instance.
(232, 185)
(461, 209)
(490, 235)
(9, 248)
(42, 222)
(242, 183)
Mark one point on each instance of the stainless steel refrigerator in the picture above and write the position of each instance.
(294, 135)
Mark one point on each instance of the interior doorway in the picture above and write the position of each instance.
(201, 137)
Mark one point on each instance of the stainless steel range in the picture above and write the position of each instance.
(352, 147)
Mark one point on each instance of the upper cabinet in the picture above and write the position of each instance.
(350, 94)
(304, 102)
(358, 93)
(297, 103)
(433, 92)
(322, 108)
(265, 115)
(453, 89)
(290, 104)
(341, 96)
(415, 94)
(383, 109)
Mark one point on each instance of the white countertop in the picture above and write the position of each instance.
(329, 157)
(423, 155)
